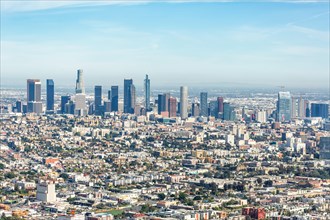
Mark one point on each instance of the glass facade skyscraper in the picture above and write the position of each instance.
(129, 96)
(64, 100)
(34, 103)
(147, 92)
(50, 96)
(203, 105)
(284, 106)
(114, 98)
(98, 100)
(320, 110)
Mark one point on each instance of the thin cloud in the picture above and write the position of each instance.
(35, 5)
(20, 6)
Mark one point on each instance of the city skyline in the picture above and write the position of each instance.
(204, 44)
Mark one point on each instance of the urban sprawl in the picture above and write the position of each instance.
(101, 157)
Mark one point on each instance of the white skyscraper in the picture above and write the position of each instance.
(184, 102)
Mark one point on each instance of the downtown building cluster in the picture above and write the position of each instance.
(287, 107)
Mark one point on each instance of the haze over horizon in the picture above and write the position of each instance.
(187, 43)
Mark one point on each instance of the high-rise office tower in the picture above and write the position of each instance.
(294, 107)
(64, 100)
(133, 98)
(147, 92)
(80, 87)
(320, 110)
(301, 108)
(80, 98)
(80, 104)
(69, 107)
(163, 105)
(98, 100)
(284, 106)
(195, 109)
(109, 95)
(160, 101)
(107, 106)
(220, 104)
(203, 104)
(129, 96)
(214, 108)
(50, 96)
(226, 111)
(184, 102)
(34, 103)
(308, 109)
(172, 107)
(114, 98)
(19, 106)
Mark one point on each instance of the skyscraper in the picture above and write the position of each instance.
(147, 92)
(301, 108)
(284, 106)
(294, 107)
(133, 98)
(34, 103)
(220, 107)
(50, 96)
(98, 100)
(320, 110)
(114, 98)
(203, 104)
(19, 106)
(64, 100)
(172, 107)
(163, 105)
(80, 87)
(160, 104)
(214, 108)
(109, 95)
(129, 96)
(220, 104)
(184, 102)
(228, 112)
(106, 106)
(195, 109)
(80, 98)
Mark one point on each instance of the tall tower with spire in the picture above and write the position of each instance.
(80, 87)
(80, 105)
(147, 92)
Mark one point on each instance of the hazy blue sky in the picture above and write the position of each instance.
(192, 43)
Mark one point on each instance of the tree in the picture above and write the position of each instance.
(10, 175)
(189, 202)
(268, 183)
(259, 180)
(65, 176)
(197, 198)
(161, 196)
(182, 196)
(2, 166)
